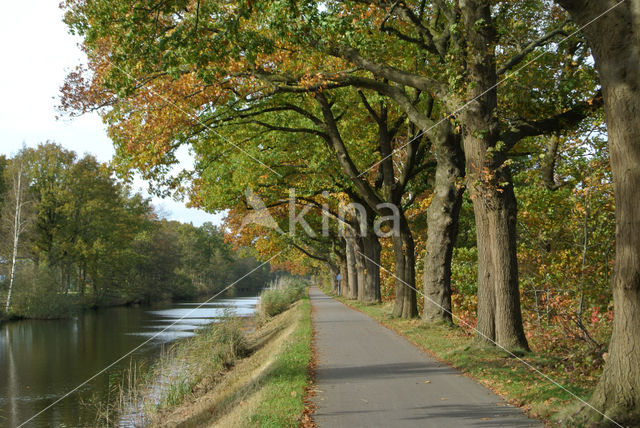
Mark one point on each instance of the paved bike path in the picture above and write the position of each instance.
(369, 376)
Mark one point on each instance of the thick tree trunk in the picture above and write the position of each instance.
(371, 246)
(614, 37)
(442, 230)
(491, 189)
(499, 314)
(486, 311)
(618, 393)
(368, 257)
(405, 304)
(344, 278)
(352, 271)
(360, 267)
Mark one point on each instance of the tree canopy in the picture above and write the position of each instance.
(479, 122)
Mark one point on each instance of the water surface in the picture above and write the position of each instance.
(41, 361)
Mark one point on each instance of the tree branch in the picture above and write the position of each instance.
(432, 86)
(398, 95)
(568, 119)
(309, 254)
(517, 58)
(548, 165)
(342, 154)
(283, 128)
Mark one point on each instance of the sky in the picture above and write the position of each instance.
(37, 54)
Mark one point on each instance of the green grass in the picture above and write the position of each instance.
(177, 392)
(507, 376)
(283, 388)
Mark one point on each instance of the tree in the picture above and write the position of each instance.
(48, 166)
(460, 42)
(404, 247)
(16, 214)
(442, 35)
(103, 220)
(392, 49)
(612, 30)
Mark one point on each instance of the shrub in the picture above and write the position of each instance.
(280, 295)
(36, 295)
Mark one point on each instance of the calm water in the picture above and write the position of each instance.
(40, 361)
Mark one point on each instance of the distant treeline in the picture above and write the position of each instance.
(82, 237)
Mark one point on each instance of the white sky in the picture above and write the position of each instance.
(37, 52)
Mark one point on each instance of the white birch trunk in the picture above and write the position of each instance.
(17, 228)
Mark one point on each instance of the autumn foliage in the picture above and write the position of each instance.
(480, 122)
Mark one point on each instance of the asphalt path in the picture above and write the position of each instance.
(369, 376)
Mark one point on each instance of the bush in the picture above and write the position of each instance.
(36, 295)
(280, 295)
(45, 306)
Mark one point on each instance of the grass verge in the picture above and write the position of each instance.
(282, 392)
(495, 369)
(264, 389)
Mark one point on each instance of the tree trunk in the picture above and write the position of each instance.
(12, 275)
(83, 281)
(618, 393)
(491, 189)
(344, 278)
(352, 271)
(442, 230)
(371, 246)
(405, 304)
(333, 277)
(368, 254)
(486, 310)
(614, 38)
(499, 314)
(358, 251)
(17, 228)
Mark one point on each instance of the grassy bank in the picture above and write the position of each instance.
(232, 374)
(497, 370)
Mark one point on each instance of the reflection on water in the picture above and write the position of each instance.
(40, 361)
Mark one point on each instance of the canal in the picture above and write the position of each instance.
(41, 361)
